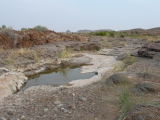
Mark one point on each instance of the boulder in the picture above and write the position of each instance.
(144, 112)
(118, 78)
(149, 50)
(147, 87)
(121, 56)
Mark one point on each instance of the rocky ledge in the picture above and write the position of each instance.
(10, 82)
(150, 50)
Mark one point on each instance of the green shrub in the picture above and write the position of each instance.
(125, 100)
(120, 67)
(24, 29)
(112, 34)
(40, 28)
(101, 33)
(129, 60)
(8, 61)
(3, 27)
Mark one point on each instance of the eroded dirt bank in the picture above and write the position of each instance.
(83, 100)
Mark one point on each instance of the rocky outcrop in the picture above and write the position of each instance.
(32, 37)
(5, 41)
(85, 46)
(149, 50)
(118, 78)
(10, 82)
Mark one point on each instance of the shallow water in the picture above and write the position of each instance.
(60, 77)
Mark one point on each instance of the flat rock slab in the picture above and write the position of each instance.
(75, 62)
(149, 50)
(10, 82)
(100, 64)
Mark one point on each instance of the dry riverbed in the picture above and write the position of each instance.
(88, 99)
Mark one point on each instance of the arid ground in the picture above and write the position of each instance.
(126, 85)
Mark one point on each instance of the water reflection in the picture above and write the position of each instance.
(57, 78)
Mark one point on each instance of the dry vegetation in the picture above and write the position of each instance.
(128, 60)
(65, 53)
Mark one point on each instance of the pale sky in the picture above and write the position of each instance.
(61, 15)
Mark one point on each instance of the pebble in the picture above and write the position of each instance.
(3, 118)
(55, 115)
(57, 102)
(22, 117)
(55, 109)
(60, 105)
(73, 106)
(11, 111)
(14, 119)
(84, 99)
(46, 109)
(64, 110)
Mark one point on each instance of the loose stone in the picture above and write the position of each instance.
(57, 102)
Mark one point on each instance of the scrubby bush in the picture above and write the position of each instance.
(122, 36)
(129, 60)
(65, 52)
(24, 29)
(9, 33)
(3, 27)
(120, 67)
(101, 33)
(125, 99)
(111, 34)
(40, 28)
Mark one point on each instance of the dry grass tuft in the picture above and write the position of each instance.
(25, 52)
(120, 67)
(65, 53)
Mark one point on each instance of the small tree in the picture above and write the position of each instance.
(40, 28)
(112, 34)
(3, 27)
(101, 33)
(24, 29)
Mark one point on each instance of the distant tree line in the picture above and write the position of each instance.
(38, 28)
(104, 33)
(4, 27)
